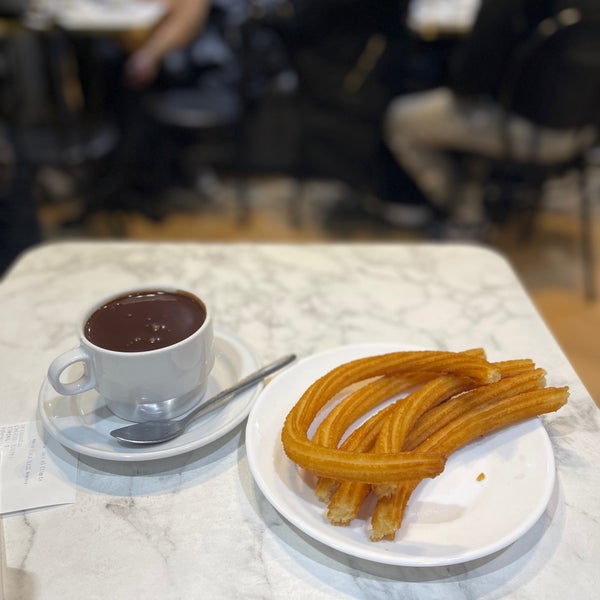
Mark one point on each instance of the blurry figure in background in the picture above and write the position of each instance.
(183, 21)
(351, 58)
(19, 227)
(422, 129)
(139, 65)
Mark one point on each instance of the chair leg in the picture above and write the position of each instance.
(295, 202)
(531, 196)
(587, 241)
(244, 206)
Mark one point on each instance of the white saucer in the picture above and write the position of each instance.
(83, 422)
(456, 517)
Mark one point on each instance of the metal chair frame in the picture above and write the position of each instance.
(567, 22)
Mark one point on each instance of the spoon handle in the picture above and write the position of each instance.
(244, 383)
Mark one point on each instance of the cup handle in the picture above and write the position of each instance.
(86, 382)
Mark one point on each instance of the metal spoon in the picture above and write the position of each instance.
(156, 432)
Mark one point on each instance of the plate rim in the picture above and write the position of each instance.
(371, 552)
(148, 453)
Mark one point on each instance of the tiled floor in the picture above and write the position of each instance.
(549, 264)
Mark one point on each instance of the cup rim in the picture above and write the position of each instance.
(142, 288)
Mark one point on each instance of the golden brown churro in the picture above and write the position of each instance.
(393, 433)
(374, 468)
(451, 399)
(356, 404)
(361, 439)
(344, 503)
(484, 419)
(334, 425)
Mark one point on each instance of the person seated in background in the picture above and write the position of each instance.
(351, 57)
(134, 66)
(184, 20)
(422, 129)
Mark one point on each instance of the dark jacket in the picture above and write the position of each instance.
(553, 80)
(481, 62)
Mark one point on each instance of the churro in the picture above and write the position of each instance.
(482, 420)
(344, 501)
(449, 399)
(393, 434)
(374, 468)
(334, 425)
(443, 414)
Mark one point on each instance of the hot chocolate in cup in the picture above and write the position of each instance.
(148, 352)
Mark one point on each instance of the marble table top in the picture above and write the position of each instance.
(196, 525)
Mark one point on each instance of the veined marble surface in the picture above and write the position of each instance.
(196, 526)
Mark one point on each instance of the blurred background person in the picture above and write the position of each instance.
(423, 129)
(135, 66)
(183, 22)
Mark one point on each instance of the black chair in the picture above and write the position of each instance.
(53, 129)
(215, 105)
(199, 108)
(553, 81)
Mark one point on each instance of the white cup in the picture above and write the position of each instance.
(146, 385)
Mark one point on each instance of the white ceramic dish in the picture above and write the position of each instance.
(451, 519)
(83, 422)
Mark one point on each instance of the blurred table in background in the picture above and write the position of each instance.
(437, 18)
(95, 16)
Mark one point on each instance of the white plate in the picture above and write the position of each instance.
(450, 519)
(83, 422)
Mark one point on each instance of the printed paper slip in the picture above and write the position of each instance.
(33, 473)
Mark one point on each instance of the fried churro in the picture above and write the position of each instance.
(334, 425)
(482, 420)
(374, 468)
(344, 501)
(448, 400)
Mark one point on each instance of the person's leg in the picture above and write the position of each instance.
(413, 130)
(423, 131)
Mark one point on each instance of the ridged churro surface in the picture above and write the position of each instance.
(423, 406)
